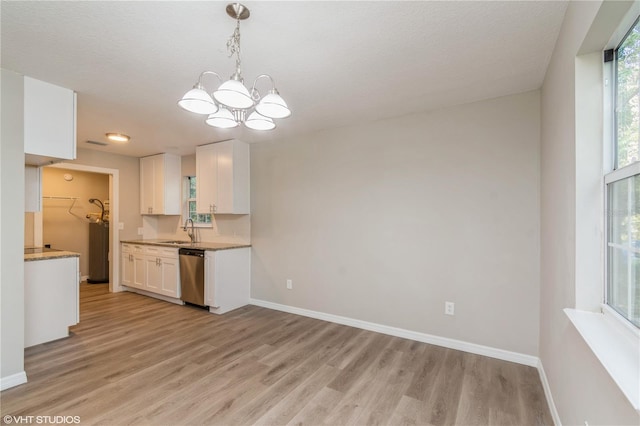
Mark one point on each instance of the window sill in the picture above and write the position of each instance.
(616, 347)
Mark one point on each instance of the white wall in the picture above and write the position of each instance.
(129, 188)
(384, 222)
(12, 231)
(581, 388)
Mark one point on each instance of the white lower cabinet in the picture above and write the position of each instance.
(127, 265)
(150, 268)
(170, 284)
(139, 271)
(51, 299)
(227, 279)
(156, 269)
(153, 273)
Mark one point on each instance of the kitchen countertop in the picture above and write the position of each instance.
(203, 245)
(40, 253)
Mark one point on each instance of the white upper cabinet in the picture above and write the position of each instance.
(49, 122)
(222, 178)
(160, 179)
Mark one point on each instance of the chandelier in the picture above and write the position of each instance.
(232, 103)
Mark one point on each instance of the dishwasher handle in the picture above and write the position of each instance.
(191, 252)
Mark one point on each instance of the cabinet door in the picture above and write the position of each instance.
(224, 177)
(139, 271)
(222, 170)
(127, 268)
(147, 185)
(233, 177)
(171, 191)
(170, 277)
(206, 180)
(49, 120)
(160, 183)
(154, 274)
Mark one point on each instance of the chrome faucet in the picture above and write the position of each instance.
(192, 234)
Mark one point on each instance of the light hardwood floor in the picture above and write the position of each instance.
(137, 360)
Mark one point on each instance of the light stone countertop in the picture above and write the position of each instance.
(186, 244)
(49, 254)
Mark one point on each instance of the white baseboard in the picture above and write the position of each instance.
(13, 380)
(460, 345)
(84, 278)
(547, 394)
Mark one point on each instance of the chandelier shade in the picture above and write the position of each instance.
(222, 119)
(198, 101)
(233, 94)
(256, 121)
(273, 106)
(231, 103)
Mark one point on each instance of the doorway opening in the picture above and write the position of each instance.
(113, 214)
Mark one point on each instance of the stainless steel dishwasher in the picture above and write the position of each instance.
(192, 276)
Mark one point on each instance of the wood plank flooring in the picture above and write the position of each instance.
(137, 360)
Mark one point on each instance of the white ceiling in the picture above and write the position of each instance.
(335, 63)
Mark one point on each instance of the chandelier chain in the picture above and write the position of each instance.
(233, 45)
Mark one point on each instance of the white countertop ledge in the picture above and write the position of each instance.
(617, 349)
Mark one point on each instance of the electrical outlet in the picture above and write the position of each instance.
(289, 284)
(140, 231)
(449, 308)
(121, 225)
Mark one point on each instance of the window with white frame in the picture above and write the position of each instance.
(203, 220)
(622, 183)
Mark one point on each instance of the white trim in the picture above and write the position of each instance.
(624, 26)
(13, 380)
(616, 349)
(460, 345)
(620, 322)
(185, 205)
(622, 173)
(623, 247)
(608, 133)
(547, 393)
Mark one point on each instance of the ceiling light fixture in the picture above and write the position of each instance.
(117, 137)
(232, 103)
